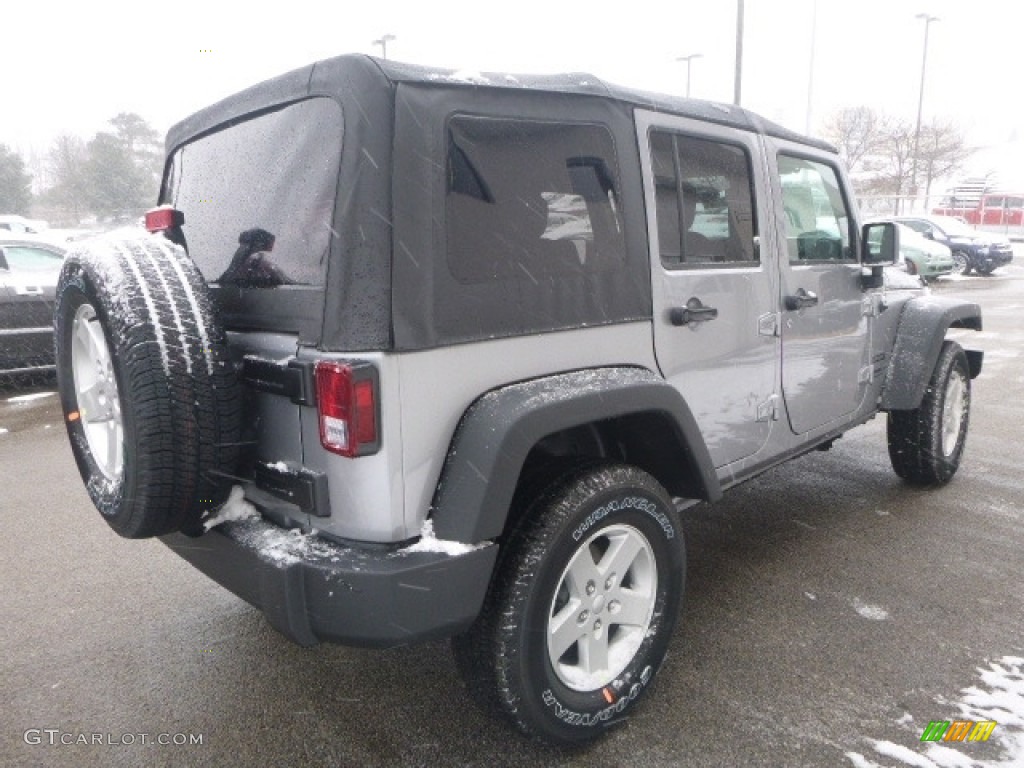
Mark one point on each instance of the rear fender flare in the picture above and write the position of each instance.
(497, 432)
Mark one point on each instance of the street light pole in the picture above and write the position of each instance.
(383, 43)
(739, 53)
(928, 19)
(810, 68)
(689, 60)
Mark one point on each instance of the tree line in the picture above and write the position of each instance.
(113, 177)
(879, 151)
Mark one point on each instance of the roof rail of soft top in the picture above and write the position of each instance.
(363, 68)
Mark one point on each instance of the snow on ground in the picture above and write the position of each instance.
(869, 611)
(29, 398)
(999, 697)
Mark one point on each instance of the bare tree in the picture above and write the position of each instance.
(69, 190)
(856, 132)
(942, 151)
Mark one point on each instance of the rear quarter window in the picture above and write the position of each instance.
(258, 196)
(530, 200)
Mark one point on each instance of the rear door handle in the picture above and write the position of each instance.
(693, 312)
(801, 300)
(28, 290)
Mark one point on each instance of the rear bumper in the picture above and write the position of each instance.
(313, 590)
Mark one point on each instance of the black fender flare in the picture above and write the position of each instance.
(919, 336)
(497, 431)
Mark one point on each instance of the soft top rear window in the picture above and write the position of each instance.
(258, 196)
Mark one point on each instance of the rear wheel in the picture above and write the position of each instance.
(927, 443)
(582, 608)
(150, 399)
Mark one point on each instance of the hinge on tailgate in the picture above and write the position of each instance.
(866, 374)
(291, 378)
(769, 409)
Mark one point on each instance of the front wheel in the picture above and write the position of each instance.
(927, 443)
(961, 263)
(582, 608)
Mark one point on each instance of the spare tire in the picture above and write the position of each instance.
(150, 398)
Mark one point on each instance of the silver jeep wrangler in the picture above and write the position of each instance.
(407, 355)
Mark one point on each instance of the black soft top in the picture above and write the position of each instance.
(335, 77)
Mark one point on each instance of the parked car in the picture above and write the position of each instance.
(11, 225)
(922, 256)
(972, 250)
(28, 278)
(452, 357)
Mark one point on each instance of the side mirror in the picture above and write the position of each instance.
(929, 234)
(3, 260)
(880, 244)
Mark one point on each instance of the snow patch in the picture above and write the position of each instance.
(291, 546)
(869, 611)
(859, 761)
(810, 596)
(1000, 697)
(279, 466)
(4, 430)
(430, 543)
(903, 754)
(31, 397)
(235, 508)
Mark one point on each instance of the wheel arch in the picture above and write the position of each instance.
(919, 336)
(628, 414)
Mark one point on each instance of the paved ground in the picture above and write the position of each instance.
(830, 610)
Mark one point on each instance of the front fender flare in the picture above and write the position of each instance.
(919, 336)
(498, 430)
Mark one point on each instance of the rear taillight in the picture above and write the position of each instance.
(163, 218)
(347, 405)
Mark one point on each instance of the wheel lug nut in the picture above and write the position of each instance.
(610, 582)
(613, 606)
(597, 625)
(584, 615)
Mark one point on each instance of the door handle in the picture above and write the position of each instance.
(28, 290)
(801, 300)
(693, 312)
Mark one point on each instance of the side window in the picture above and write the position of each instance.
(32, 259)
(528, 200)
(995, 202)
(816, 218)
(704, 202)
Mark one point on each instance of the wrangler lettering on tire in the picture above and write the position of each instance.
(150, 399)
(582, 608)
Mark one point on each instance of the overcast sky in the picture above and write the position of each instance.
(67, 67)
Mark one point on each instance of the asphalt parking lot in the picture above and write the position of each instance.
(831, 613)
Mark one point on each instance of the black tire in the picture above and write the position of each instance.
(176, 392)
(504, 657)
(986, 271)
(927, 443)
(961, 263)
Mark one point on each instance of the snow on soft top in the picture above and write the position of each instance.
(999, 698)
(430, 543)
(235, 508)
